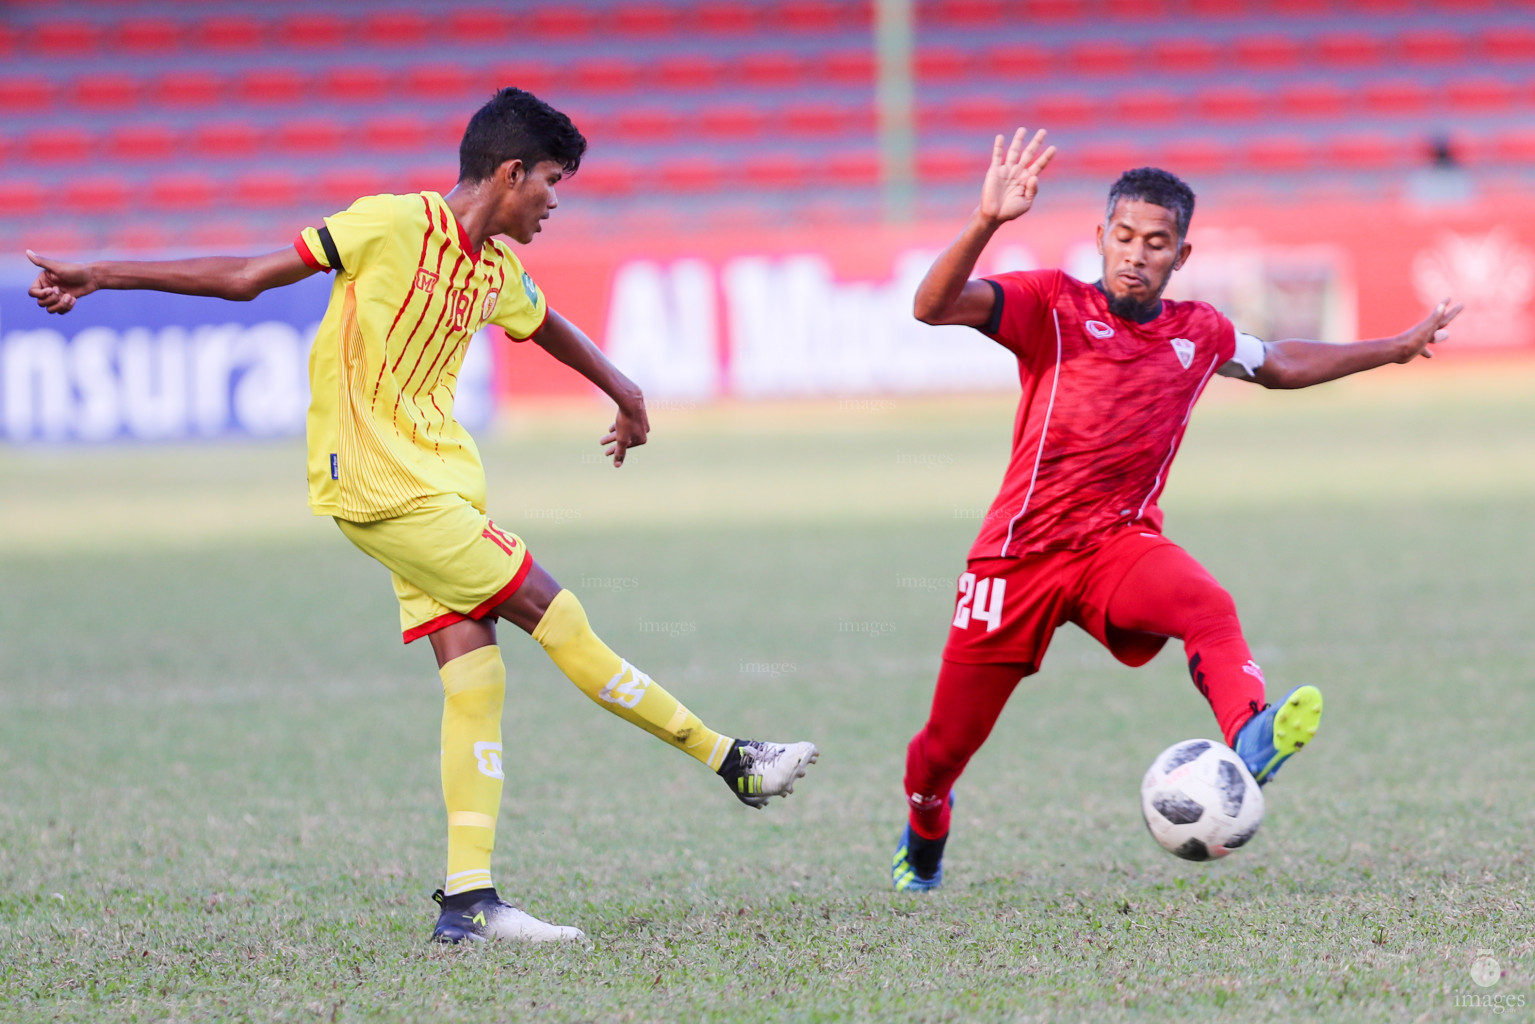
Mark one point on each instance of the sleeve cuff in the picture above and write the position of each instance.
(307, 256)
(512, 337)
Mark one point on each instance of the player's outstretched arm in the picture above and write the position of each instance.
(569, 344)
(1300, 364)
(240, 278)
(947, 295)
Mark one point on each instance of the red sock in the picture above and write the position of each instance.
(1170, 594)
(966, 704)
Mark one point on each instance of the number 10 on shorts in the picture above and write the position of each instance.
(979, 599)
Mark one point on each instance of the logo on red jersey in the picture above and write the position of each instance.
(1183, 348)
(426, 281)
(1099, 329)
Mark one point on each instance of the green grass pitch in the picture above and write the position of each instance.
(221, 803)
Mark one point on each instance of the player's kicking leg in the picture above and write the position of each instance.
(1165, 592)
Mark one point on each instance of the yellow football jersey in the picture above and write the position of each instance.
(407, 298)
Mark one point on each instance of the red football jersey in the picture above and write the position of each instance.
(1105, 403)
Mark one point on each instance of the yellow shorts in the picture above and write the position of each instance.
(449, 561)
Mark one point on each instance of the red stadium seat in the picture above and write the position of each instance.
(856, 168)
(847, 67)
(442, 82)
(399, 132)
(313, 31)
(8, 38)
(235, 234)
(25, 93)
(231, 33)
(143, 142)
(723, 17)
(312, 135)
(1351, 49)
(964, 13)
(829, 119)
(272, 85)
(780, 171)
(432, 177)
(688, 174)
(1186, 54)
(188, 89)
(360, 84)
(1105, 160)
(1062, 109)
(1279, 154)
(481, 24)
(183, 192)
(59, 146)
(772, 69)
(1133, 10)
(1056, 10)
(105, 91)
(648, 124)
(1369, 152)
(645, 19)
(1406, 97)
(21, 197)
(339, 189)
(97, 195)
(1313, 99)
(398, 27)
(1197, 156)
(1515, 43)
(1481, 95)
(944, 64)
(63, 38)
(1267, 52)
(1153, 106)
(816, 16)
(607, 177)
(1218, 8)
(534, 76)
(1232, 103)
(1432, 47)
(952, 163)
(268, 188)
(143, 237)
(1516, 146)
(694, 72)
(607, 74)
(985, 114)
(735, 121)
(1104, 57)
(562, 21)
(148, 35)
(59, 238)
(227, 140)
(1018, 60)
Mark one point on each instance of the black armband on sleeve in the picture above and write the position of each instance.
(993, 323)
(329, 245)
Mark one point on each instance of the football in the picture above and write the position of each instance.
(1200, 801)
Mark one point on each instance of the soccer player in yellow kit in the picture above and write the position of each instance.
(416, 277)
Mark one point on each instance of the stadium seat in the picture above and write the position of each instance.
(273, 85)
(723, 16)
(400, 133)
(268, 188)
(226, 140)
(644, 19)
(1218, 8)
(1018, 60)
(1481, 95)
(608, 177)
(1056, 10)
(143, 142)
(58, 146)
(984, 114)
(188, 89)
(114, 91)
(847, 67)
(1435, 46)
(447, 81)
(1183, 55)
(20, 197)
(1279, 154)
(148, 35)
(311, 136)
(1156, 106)
(1107, 160)
(651, 124)
(313, 30)
(1103, 57)
(534, 76)
(780, 171)
(1516, 146)
(141, 237)
(180, 191)
(691, 174)
(963, 13)
(230, 33)
(1136, 10)
(831, 119)
(852, 168)
(1405, 97)
(356, 84)
(818, 16)
(733, 121)
(1232, 103)
(481, 24)
(21, 94)
(1313, 99)
(607, 74)
(1059, 110)
(951, 163)
(693, 72)
(770, 69)
(1350, 49)
(397, 27)
(1363, 151)
(64, 38)
(338, 189)
(1268, 52)
(563, 22)
(97, 195)
(944, 64)
(228, 234)
(1192, 157)
(1511, 43)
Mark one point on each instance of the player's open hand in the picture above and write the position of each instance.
(629, 430)
(59, 284)
(1434, 327)
(1012, 180)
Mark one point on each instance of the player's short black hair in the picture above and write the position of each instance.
(516, 125)
(1162, 188)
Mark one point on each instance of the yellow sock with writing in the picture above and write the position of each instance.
(615, 684)
(474, 689)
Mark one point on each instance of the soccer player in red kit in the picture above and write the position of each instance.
(1110, 373)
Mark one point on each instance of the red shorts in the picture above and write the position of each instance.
(1008, 609)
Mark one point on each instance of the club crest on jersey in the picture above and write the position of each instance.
(490, 304)
(426, 281)
(1099, 329)
(1183, 348)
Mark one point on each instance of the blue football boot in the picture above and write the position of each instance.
(918, 862)
(1274, 734)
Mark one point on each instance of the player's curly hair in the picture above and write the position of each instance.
(1154, 185)
(516, 125)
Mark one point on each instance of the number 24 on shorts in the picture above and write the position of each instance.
(979, 600)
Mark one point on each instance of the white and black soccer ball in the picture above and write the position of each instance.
(1200, 801)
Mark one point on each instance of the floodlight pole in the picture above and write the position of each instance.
(895, 97)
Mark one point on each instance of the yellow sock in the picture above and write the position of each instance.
(615, 684)
(474, 688)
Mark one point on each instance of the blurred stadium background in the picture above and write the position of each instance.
(764, 182)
